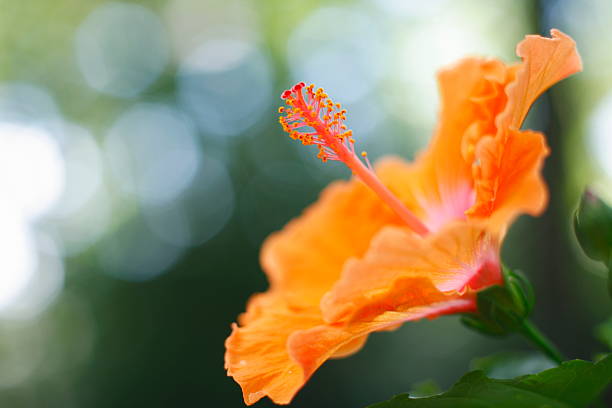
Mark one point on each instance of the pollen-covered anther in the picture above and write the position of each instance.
(314, 119)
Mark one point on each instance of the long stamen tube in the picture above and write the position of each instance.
(312, 118)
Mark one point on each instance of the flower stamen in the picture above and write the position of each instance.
(314, 119)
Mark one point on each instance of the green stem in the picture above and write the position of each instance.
(534, 335)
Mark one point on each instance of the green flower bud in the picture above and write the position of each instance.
(593, 228)
(503, 309)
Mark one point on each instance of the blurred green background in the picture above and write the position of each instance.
(142, 165)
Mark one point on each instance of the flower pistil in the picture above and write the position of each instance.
(314, 119)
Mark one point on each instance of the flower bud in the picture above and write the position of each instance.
(593, 228)
(503, 309)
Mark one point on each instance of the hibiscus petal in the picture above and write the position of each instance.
(256, 353)
(507, 166)
(411, 299)
(509, 174)
(546, 61)
(440, 180)
(434, 204)
(279, 347)
(461, 255)
(305, 259)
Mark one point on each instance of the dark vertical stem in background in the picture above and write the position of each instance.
(557, 273)
(550, 262)
(558, 311)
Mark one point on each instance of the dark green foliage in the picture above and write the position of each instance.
(574, 384)
(510, 364)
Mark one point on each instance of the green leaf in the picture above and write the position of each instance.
(425, 388)
(574, 384)
(507, 365)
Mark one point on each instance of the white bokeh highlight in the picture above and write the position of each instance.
(19, 259)
(31, 169)
(32, 179)
(599, 141)
(43, 287)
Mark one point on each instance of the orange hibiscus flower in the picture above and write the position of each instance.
(406, 240)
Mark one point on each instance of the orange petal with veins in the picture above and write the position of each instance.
(460, 256)
(410, 299)
(511, 173)
(499, 162)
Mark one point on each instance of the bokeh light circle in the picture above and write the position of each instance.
(19, 259)
(133, 253)
(346, 59)
(200, 213)
(43, 287)
(34, 185)
(86, 225)
(121, 49)
(210, 203)
(22, 102)
(83, 163)
(226, 85)
(153, 153)
(192, 22)
(600, 139)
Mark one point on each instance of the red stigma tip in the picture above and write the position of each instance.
(314, 119)
(298, 87)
